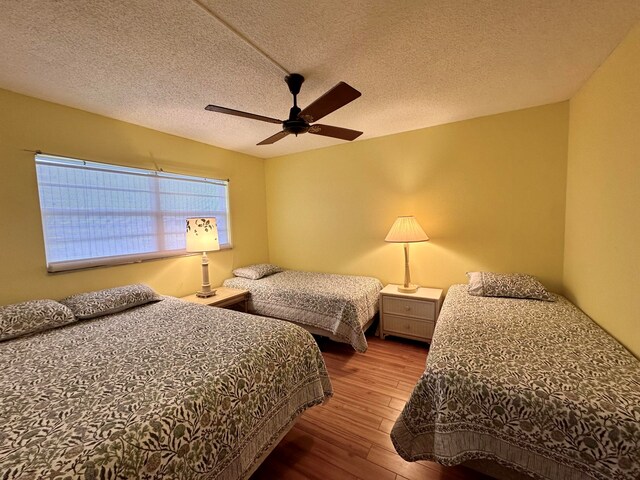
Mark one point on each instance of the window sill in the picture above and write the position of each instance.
(77, 265)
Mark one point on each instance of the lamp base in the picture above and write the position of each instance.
(203, 294)
(409, 289)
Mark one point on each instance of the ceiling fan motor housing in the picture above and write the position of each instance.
(294, 124)
(296, 127)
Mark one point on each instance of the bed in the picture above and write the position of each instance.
(167, 389)
(530, 387)
(340, 307)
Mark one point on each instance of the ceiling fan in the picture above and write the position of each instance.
(299, 121)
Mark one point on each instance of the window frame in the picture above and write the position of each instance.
(124, 259)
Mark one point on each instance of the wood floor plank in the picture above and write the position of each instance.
(386, 425)
(397, 404)
(381, 411)
(413, 370)
(347, 426)
(374, 374)
(340, 431)
(371, 388)
(348, 437)
(354, 412)
(299, 453)
(344, 459)
(406, 386)
(410, 470)
(364, 394)
(349, 443)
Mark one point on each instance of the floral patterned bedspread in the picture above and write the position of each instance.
(337, 304)
(533, 385)
(165, 390)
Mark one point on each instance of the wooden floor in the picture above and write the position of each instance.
(348, 438)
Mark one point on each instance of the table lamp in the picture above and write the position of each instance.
(202, 236)
(406, 230)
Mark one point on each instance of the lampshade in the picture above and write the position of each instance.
(202, 235)
(406, 230)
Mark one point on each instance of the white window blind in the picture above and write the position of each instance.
(99, 214)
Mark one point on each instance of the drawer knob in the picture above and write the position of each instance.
(407, 308)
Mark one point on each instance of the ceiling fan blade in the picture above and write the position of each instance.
(274, 138)
(335, 132)
(238, 113)
(334, 99)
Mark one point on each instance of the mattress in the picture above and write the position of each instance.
(339, 305)
(535, 386)
(165, 390)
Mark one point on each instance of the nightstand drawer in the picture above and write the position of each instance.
(407, 326)
(409, 308)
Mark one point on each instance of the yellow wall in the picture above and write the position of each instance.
(490, 192)
(28, 123)
(602, 244)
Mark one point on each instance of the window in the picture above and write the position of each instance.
(98, 214)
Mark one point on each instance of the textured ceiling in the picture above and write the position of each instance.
(417, 63)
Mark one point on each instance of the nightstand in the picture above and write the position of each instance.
(410, 315)
(225, 298)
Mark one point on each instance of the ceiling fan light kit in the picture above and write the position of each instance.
(299, 121)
